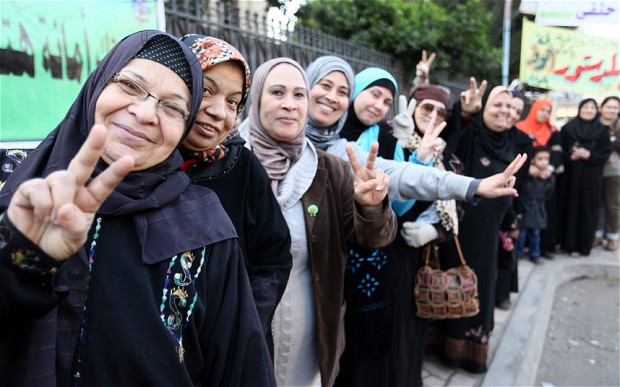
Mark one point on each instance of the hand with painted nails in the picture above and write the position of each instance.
(56, 212)
(370, 184)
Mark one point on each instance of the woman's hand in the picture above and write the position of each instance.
(402, 124)
(56, 212)
(423, 68)
(502, 184)
(370, 184)
(471, 100)
(431, 142)
(579, 153)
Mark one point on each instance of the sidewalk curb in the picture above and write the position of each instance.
(516, 360)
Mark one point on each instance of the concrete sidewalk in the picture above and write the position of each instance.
(517, 342)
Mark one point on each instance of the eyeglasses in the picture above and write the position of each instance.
(135, 90)
(441, 113)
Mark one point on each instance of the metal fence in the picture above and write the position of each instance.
(259, 39)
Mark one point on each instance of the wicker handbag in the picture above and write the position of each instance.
(446, 294)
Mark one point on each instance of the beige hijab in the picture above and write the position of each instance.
(275, 156)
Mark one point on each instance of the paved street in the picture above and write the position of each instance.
(517, 342)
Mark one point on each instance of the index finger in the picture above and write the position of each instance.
(84, 162)
(472, 85)
(515, 165)
(423, 55)
(355, 164)
(402, 104)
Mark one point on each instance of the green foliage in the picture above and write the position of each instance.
(458, 31)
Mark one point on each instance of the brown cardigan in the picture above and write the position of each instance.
(338, 219)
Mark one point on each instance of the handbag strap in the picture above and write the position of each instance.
(427, 253)
(458, 249)
(429, 246)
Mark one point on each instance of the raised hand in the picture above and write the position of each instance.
(431, 142)
(502, 184)
(471, 99)
(402, 124)
(56, 212)
(370, 184)
(423, 67)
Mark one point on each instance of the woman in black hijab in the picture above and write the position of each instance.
(480, 147)
(113, 269)
(586, 147)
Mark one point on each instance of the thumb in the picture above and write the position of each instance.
(402, 104)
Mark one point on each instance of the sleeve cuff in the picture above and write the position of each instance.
(471, 192)
(22, 253)
(414, 159)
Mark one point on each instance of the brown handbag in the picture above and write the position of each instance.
(446, 294)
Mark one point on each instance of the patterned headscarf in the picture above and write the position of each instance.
(210, 52)
(323, 137)
(275, 156)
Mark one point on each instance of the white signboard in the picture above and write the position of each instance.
(577, 13)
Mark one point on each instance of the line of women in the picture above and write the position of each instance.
(124, 269)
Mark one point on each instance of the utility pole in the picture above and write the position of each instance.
(506, 42)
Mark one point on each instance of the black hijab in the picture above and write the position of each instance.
(585, 132)
(142, 193)
(495, 144)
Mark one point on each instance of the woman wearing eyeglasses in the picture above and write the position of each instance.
(421, 222)
(114, 270)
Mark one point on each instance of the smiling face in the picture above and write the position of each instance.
(515, 111)
(372, 104)
(329, 99)
(497, 112)
(223, 89)
(588, 111)
(139, 128)
(284, 103)
(422, 113)
(609, 111)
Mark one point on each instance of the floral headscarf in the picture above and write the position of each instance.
(211, 51)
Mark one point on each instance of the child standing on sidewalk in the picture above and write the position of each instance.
(535, 190)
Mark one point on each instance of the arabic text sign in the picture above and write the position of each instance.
(560, 59)
(576, 13)
(48, 49)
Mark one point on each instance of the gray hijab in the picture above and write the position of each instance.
(322, 137)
